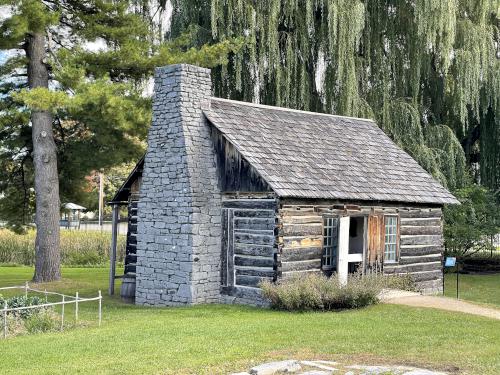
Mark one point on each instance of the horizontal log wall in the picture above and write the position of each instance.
(131, 252)
(250, 245)
(421, 249)
(300, 239)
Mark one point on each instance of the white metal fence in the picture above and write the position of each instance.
(106, 226)
(66, 300)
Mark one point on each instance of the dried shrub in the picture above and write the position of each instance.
(15, 326)
(35, 320)
(401, 282)
(39, 321)
(317, 292)
(44, 320)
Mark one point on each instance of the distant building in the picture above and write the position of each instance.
(231, 193)
(70, 215)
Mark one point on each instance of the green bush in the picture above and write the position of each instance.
(318, 292)
(22, 301)
(78, 248)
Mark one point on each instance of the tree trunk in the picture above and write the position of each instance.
(47, 255)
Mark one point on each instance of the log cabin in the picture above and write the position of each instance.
(231, 193)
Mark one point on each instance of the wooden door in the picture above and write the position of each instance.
(376, 237)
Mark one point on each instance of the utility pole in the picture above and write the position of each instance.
(101, 198)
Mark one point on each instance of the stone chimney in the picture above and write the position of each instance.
(179, 212)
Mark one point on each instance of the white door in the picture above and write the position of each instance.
(343, 252)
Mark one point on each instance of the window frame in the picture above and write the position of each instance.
(331, 223)
(395, 234)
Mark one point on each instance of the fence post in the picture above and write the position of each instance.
(4, 319)
(76, 307)
(100, 308)
(46, 300)
(112, 254)
(26, 290)
(62, 314)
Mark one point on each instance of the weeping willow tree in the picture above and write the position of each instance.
(427, 70)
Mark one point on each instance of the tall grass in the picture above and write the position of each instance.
(78, 248)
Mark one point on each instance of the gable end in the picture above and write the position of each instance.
(235, 173)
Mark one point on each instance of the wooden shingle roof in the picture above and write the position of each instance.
(312, 155)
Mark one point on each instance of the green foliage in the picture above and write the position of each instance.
(31, 16)
(42, 99)
(446, 156)
(469, 227)
(16, 167)
(317, 292)
(78, 248)
(98, 96)
(427, 71)
(22, 301)
(114, 177)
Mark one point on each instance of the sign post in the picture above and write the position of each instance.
(451, 262)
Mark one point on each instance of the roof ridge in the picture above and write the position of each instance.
(285, 109)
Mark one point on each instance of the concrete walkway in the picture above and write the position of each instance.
(444, 303)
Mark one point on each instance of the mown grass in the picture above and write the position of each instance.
(78, 248)
(476, 288)
(216, 339)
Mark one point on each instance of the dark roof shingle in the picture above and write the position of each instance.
(312, 155)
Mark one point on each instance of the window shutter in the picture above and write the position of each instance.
(376, 239)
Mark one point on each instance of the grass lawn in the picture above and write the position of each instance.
(216, 339)
(477, 288)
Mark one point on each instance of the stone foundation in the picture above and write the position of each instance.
(431, 287)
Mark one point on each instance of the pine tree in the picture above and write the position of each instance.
(27, 29)
(86, 106)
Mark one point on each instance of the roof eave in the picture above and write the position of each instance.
(382, 201)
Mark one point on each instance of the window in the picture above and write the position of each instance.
(391, 238)
(330, 242)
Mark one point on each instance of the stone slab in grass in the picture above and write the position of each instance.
(396, 370)
(271, 368)
(322, 365)
(325, 368)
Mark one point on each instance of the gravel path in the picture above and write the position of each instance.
(443, 303)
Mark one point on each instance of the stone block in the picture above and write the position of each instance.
(271, 368)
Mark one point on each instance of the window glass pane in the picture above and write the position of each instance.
(329, 242)
(390, 238)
